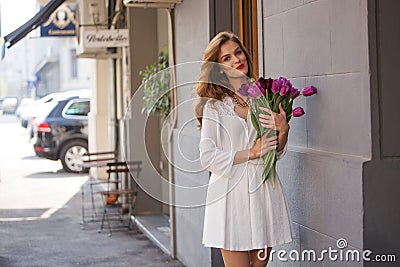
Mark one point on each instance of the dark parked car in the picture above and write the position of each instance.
(32, 110)
(62, 134)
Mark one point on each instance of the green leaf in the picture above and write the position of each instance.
(155, 85)
(269, 165)
(256, 124)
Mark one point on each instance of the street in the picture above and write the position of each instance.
(40, 215)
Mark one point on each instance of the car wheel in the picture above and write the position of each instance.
(72, 154)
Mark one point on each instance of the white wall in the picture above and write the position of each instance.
(191, 39)
(98, 116)
(85, 66)
(323, 43)
(13, 70)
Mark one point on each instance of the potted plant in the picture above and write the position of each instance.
(156, 85)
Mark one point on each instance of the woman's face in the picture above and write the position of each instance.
(233, 60)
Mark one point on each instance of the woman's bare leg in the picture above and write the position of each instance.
(235, 258)
(258, 257)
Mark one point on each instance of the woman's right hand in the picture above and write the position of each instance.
(263, 145)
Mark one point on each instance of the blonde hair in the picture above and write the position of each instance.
(212, 83)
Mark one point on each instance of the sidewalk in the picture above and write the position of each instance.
(40, 215)
(60, 241)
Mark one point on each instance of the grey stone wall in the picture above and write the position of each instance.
(139, 127)
(320, 42)
(323, 43)
(191, 38)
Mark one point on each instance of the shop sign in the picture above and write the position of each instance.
(105, 38)
(61, 22)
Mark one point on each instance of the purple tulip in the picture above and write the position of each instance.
(268, 83)
(264, 83)
(276, 86)
(259, 85)
(287, 82)
(297, 112)
(289, 85)
(254, 91)
(295, 93)
(289, 91)
(309, 90)
(282, 79)
(284, 90)
(244, 90)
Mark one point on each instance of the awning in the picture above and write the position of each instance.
(12, 38)
(169, 4)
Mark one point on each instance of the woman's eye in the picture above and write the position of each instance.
(227, 59)
(239, 52)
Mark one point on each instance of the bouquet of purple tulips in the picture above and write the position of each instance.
(270, 93)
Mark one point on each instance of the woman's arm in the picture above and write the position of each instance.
(212, 157)
(220, 161)
(260, 148)
(282, 140)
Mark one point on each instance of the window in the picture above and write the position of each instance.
(81, 108)
(240, 17)
(74, 64)
(248, 28)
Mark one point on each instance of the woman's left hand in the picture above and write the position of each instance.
(273, 120)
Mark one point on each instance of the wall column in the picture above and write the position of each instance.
(98, 116)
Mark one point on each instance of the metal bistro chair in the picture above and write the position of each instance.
(94, 160)
(120, 196)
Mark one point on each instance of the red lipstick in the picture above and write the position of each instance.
(240, 67)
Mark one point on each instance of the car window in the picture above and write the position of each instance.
(81, 108)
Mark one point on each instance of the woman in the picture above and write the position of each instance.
(243, 216)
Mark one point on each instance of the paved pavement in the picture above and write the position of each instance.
(40, 215)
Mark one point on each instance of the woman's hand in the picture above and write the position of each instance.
(273, 120)
(263, 145)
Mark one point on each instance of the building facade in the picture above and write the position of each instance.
(341, 169)
(340, 161)
(38, 65)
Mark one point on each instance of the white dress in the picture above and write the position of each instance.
(241, 212)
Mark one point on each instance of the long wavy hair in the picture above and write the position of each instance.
(212, 83)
